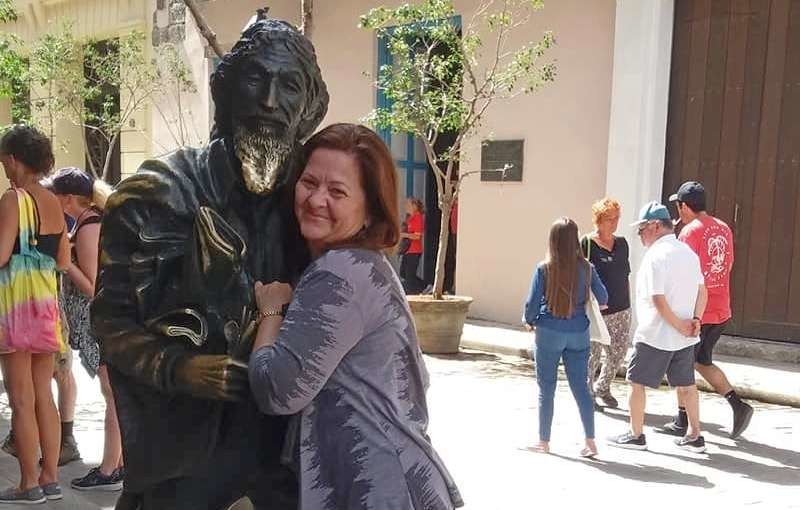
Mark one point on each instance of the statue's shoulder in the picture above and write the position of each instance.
(170, 181)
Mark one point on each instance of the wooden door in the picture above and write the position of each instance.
(734, 125)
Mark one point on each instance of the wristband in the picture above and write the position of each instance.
(696, 318)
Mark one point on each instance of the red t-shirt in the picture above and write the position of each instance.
(712, 240)
(415, 225)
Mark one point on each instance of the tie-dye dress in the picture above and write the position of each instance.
(29, 313)
(347, 360)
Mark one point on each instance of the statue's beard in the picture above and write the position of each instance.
(262, 155)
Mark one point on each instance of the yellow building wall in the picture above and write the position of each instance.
(97, 19)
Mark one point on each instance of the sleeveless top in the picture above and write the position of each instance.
(76, 309)
(29, 314)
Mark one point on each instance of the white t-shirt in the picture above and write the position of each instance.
(669, 268)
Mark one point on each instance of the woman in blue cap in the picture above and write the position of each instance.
(82, 198)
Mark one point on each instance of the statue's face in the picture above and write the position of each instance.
(268, 100)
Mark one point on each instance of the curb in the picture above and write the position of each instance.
(744, 390)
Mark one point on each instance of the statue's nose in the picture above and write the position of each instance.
(271, 101)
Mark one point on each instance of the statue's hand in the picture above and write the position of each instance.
(215, 377)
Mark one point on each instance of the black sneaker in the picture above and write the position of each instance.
(8, 445)
(629, 441)
(674, 428)
(609, 401)
(741, 419)
(119, 474)
(696, 445)
(97, 481)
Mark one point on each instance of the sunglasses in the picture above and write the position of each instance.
(642, 228)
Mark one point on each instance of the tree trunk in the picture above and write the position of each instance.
(205, 30)
(109, 154)
(307, 14)
(441, 253)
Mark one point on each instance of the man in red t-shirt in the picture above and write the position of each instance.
(712, 240)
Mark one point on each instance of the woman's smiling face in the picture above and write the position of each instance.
(329, 199)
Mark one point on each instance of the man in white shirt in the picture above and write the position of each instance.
(670, 299)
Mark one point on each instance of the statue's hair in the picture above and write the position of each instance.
(258, 38)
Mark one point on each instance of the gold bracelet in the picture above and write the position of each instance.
(263, 314)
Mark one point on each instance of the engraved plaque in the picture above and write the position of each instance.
(501, 160)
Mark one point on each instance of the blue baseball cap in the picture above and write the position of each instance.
(691, 192)
(652, 211)
(70, 181)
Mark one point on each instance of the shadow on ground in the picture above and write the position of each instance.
(489, 365)
(642, 473)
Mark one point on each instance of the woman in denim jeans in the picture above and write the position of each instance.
(556, 308)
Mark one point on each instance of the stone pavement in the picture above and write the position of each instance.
(90, 412)
(766, 381)
(483, 420)
(483, 411)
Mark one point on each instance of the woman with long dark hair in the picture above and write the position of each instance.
(556, 308)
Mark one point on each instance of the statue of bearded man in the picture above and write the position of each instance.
(182, 243)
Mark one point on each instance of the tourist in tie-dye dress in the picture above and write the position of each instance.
(345, 358)
(33, 243)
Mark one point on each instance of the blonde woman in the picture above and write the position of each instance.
(82, 198)
(609, 254)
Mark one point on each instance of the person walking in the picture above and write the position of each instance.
(712, 240)
(609, 254)
(359, 438)
(670, 298)
(33, 245)
(415, 227)
(556, 308)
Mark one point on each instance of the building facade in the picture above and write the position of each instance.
(647, 94)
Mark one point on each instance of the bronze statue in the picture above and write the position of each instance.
(182, 243)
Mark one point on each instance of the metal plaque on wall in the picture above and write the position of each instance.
(501, 160)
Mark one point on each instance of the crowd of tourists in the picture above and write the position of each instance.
(682, 305)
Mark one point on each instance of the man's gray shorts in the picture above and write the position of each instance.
(649, 365)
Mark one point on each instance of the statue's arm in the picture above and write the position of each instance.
(124, 277)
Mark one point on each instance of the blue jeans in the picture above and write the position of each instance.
(550, 347)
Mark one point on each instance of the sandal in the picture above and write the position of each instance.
(588, 453)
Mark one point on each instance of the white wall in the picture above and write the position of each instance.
(503, 227)
(640, 95)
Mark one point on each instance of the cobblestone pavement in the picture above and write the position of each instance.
(483, 421)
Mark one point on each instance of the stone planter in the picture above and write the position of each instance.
(439, 322)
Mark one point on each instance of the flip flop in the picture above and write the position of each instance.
(588, 453)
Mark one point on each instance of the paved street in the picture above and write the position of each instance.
(483, 419)
(483, 414)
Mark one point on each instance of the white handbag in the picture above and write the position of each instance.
(598, 331)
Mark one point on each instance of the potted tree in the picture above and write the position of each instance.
(441, 79)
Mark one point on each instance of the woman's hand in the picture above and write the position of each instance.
(272, 296)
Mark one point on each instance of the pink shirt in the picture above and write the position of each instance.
(712, 240)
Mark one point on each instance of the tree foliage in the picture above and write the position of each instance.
(98, 85)
(7, 11)
(443, 77)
